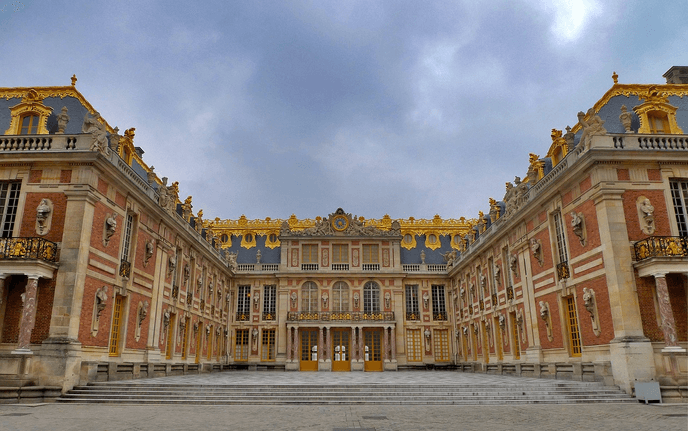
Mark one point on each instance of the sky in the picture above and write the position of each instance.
(407, 108)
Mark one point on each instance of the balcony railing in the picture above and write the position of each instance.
(371, 267)
(563, 270)
(437, 267)
(243, 317)
(481, 304)
(494, 300)
(661, 246)
(269, 316)
(28, 249)
(410, 267)
(439, 316)
(189, 297)
(340, 267)
(309, 267)
(412, 316)
(125, 268)
(510, 293)
(175, 291)
(340, 316)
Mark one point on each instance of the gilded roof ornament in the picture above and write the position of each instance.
(74, 80)
(615, 78)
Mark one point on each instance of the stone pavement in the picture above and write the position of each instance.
(608, 417)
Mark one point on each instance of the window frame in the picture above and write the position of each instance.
(439, 302)
(371, 253)
(371, 297)
(10, 192)
(411, 301)
(311, 256)
(679, 200)
(340, 297)
(309, 297)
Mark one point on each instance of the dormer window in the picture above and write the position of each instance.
(29, 124)
(659, 122)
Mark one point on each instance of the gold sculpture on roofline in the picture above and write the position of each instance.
(268, 227)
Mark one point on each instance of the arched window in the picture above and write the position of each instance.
(340, 297)
(371, 297)
(309, 297)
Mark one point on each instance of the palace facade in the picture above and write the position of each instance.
(580, 271)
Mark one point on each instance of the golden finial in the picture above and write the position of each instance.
(73, 80)
(615, 77)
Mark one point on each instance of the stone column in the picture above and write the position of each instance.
(668, 323)
(289, 343)
(361, 344)
(329, 345)
(385, 344)
(393, 340)
(28, 319)
(352, 353)
(295, 346)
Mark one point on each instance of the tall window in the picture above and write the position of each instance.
(441, 344)
(116, 329)
(169, 350)
(9, 199)
(269, 301)
(340, 297)
(244, 303)
(241, 345)
(371, 253)
(679, 196)
(340, 253)
(561, 239)
(514, 333)
(268, 351)
(371, 297)
(310, 253)
(128, 228)
(491, 277)
(439, 310)
(413, 345)
(572, 326)
(29, 124)
(309, 297)
(412, 312)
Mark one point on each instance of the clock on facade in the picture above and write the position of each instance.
(340, 223)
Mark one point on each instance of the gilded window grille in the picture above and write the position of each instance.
(563, 270)
(510, 293)
(661, 246)
(125, 269)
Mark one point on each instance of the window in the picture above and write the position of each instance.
(412, 312)
(29, 124)
(128, 228)
(340, 253)
(244, 303)
(371, 253)
(340, 297)
(309, 297)
(413, 345)
(241, 346)
(9, 199)
(659, 122)
(441, 345)
(116, 330)
(679, 196)
(493, 285)
(572, 326)
(371, 297)
(268, 351)
(439, 311)
(562, 266)
(310, 253)
(269, 301)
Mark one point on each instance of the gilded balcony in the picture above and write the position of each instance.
(661, 246)
(28, 249)
(563, 270)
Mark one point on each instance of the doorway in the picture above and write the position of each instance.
(373, 349)
(309, 349)
(341, 359)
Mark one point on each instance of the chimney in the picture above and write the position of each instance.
(677, 75)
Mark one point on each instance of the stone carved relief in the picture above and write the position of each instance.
(450, 257)
(148, 252)
(388, 301)
(488, 333)
(545, 316)
(186, 273)
(536, 249)
(352, 226)
(498, 274)
(256, 300)
(591, 306)
(483, 284)
(578, 226)
(427, 334)
(98, 132)
(232, 261)
(254, 336)
(325, 300)
(109, 228)
(502, 328)
(646, 213)
(259, 255)
(44, 213)
(167, 198)
(357, 299)
(426, 300)
(99, 303)
(422, 257)
(513, 264)
(293, 298)
(171, 264)
(626, 118)
(515, 197)
(141, 314)
(593, 126)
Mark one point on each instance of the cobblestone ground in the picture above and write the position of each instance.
(91, 417)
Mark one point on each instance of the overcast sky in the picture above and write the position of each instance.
(406, 108)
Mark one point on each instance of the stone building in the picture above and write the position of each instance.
(579, 272)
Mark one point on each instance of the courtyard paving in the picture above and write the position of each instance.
(105, 417)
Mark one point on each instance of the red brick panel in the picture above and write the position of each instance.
(657, 199)
(28, 226)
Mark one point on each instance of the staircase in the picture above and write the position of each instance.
(528, 392)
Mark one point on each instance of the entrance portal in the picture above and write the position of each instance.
(341, 360)
(373, 349)
(309, 349)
